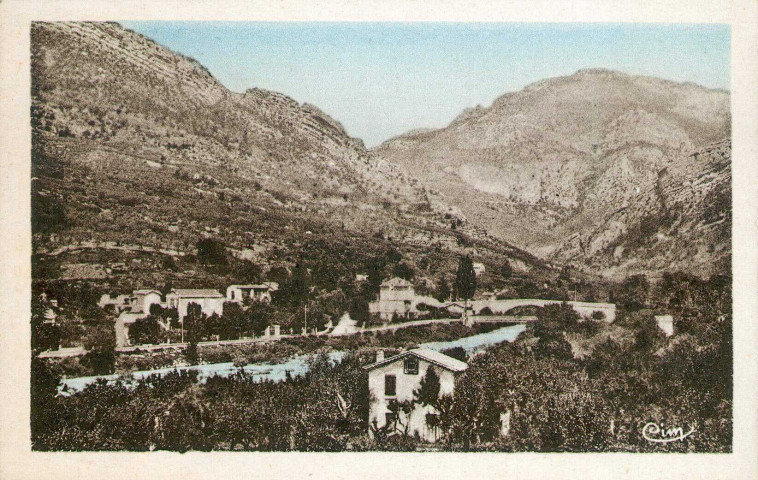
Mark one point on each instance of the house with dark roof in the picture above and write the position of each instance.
(392, 382)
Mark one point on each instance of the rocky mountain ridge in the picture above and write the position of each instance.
(134, 144)
(555, 161)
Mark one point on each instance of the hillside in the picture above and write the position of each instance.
(559, 159)
(682, 221)
(137, 150)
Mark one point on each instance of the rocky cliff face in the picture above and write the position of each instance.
(136, 145)
(682, 221)
(102, 82)
(558, 160)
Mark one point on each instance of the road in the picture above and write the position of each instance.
(77, 351)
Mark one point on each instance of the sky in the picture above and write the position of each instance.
(382, 79)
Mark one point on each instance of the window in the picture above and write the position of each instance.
(410, 366)
(390, 385)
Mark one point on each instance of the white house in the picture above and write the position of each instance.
(135, 307)
(396, 296)
(394, 379)
(210, 301)
(257, 293)
(665, 323)
(479, 268)
(119, 302)
(142, 300)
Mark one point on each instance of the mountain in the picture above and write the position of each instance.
(139, 149)
(550, 168)
(681, 222)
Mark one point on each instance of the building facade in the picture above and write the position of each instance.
(210, 301)
(396, 297)
(256, 293)
(392, 382)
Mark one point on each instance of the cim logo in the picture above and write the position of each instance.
(660, 434)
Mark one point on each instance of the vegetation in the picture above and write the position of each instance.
(529, 395)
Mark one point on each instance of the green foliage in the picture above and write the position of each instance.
(648, 336)
(295, 289)
(553, 401)
(506, 271)
(146, 331)
(193, 325)
(101, 345)
(403, 270)
(458, 353)
(359, 311)
(443, 291)
(429, 388)
(248, 272)
(465, 279)
(633, 293)
(211, 251)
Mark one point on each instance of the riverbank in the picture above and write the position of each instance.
(278, 351)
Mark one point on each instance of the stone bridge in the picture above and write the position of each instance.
(585, 309)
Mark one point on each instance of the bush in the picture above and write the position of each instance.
(457, 353)
(211, 252)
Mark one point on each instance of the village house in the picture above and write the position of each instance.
(665, 323)
(210, 301)
(119, 302)
(132, 308)
(479, 268)
(396, 297)
(256, 293)
(392, 381)
(142, 300)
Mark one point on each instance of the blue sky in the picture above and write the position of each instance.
(382, 79)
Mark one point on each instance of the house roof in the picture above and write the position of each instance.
(431, 356)
(196, 293)
(396, 282)
(145, 292)
(260, 286)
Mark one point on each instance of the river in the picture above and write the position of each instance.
(296, 366)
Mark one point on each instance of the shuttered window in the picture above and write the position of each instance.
(410, 365)
(390, 385)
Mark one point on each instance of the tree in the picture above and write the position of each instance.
(375, 276)
(247, 271)
(193, 325)
(258, 316)
(404, 271)
(211, 252)
(465, 282)
(146, 331)
(101, 346)
(458, 353)
(428, 392)
(633, 292)
(295, 289)
(443, 291)
(465, 279)
(359, 311)
(506, 271)
(46, 335)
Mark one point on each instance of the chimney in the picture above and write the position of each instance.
(379, 355)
